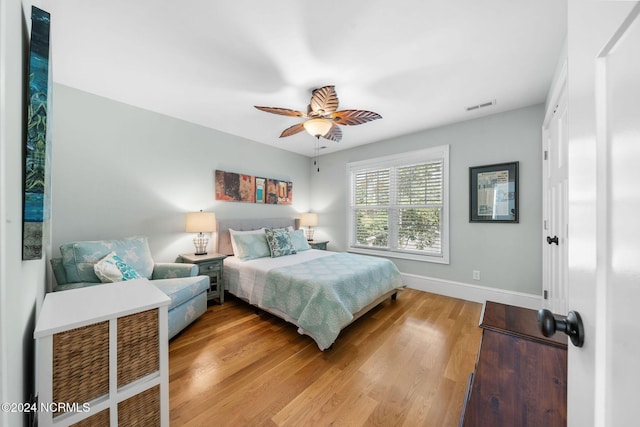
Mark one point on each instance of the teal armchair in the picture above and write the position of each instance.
(187, 290)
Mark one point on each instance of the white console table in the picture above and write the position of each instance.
(102, 356)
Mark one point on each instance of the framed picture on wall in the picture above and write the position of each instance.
(493, 193)
(238, 187)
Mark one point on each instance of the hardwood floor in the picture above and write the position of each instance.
(405, 363)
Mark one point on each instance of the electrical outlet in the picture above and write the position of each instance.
(476, 274)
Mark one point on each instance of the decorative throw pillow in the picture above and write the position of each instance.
(78, 258)
(279, 242)
(112, 268)
(236, 236)
(299, 240)
(251, 246)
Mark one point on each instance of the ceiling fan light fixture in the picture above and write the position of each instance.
(317, 127)
(323, 116)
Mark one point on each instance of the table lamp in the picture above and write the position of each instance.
(200, 222)
(309, 220)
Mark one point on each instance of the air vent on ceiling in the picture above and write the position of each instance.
(483, 105)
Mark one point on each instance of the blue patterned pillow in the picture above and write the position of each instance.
(113, 269)
(299, 240)
(279, 242)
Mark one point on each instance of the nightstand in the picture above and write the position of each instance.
(318, 244)
(211, 265)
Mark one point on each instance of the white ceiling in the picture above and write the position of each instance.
(418, 63)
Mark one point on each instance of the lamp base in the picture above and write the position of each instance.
(309, 233)
(200, 242)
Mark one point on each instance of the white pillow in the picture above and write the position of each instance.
(112, 268)
(248, 244)
(251, 246)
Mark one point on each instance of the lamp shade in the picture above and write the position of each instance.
(317, 127)
(200, 222)
(308, 219)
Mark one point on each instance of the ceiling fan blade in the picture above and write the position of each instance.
(282, 111)
(354, 117)
(292, 130)
(323, 101)
(334, 134)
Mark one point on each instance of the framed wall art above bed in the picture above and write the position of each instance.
(237, 187)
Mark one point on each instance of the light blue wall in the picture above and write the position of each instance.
(120, 171)
(508, 256)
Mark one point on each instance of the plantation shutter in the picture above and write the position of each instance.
(372, 195)
(398, 205)
(419, 191)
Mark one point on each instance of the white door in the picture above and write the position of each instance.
(604, 210)
(555, 173)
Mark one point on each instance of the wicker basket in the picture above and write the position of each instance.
(101, 419)
(140, 410)
(138, 346)
(81, 364)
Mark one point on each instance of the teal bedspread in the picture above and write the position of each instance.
(324, 293)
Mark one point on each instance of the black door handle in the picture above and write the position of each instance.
(553, 239)
(571, 325)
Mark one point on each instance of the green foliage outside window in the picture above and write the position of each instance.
(419, 229)
(372, 227)
(409, 197)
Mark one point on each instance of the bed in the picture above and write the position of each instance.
(320, 292)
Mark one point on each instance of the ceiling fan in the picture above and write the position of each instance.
(322, 116)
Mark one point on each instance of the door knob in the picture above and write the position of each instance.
(570, 325)
(553, 239)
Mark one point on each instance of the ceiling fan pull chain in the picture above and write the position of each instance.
(316, 162)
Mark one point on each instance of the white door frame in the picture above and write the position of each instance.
(554, 297)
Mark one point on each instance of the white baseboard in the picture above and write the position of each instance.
(470, 292)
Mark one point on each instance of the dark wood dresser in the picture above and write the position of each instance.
(520, 377)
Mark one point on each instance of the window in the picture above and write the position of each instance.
(399, 205)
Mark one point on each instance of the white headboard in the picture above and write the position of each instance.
(224, 238)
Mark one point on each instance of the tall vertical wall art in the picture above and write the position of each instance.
(38, 145)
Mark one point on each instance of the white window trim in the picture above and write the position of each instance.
(401, 159)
